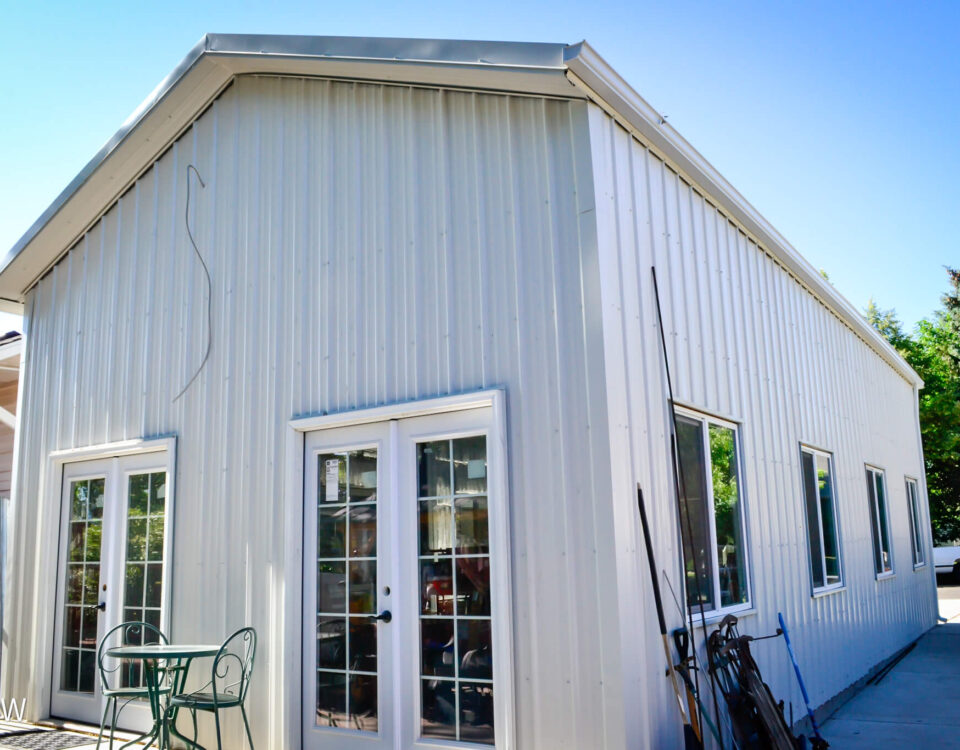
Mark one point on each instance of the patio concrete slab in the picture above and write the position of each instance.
(916, 704)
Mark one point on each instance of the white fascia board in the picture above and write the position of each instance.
(605, 86)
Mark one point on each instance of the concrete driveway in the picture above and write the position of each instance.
(915, 705)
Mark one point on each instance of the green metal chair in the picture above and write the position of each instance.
(112, 683)
(229, 682)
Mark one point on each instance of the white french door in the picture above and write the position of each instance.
(114, 549)
(348, 584)
(402, 523)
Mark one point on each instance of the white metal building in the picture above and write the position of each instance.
(433, 384)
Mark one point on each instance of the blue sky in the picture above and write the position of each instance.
(839, 121)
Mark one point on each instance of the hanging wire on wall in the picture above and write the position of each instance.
(206, 271)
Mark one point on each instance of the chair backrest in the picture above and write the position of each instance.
(233, 665)
(132, 633)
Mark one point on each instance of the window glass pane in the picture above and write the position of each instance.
(473, 586)
(437, 651)
(472, 529)
(363, 531)
(332, 699)
(695, 521)
(363, 476)
(874, 528)
(436, 586)
(363, 702)
(476, 659)
(331, 531)
(884, 523)
(433, 468)
(476, 712)
(470, 465)
(813, 519)
(914, 513)
(363, 644)
(438, 706)
(831, 544)
(331, 643)
(436, 531)
(728, 522)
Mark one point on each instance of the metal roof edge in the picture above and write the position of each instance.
(590, 70)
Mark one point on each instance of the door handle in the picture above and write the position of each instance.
(102, 606)
(385, 616)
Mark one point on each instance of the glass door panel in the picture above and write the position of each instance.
(456, 655)
(85, 530)
(83, 571)
(112, 556)
(346, 588)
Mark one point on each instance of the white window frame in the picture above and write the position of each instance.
(815, 452)
(877, 537)
(916, 517)
(502, 621)
(707, 419)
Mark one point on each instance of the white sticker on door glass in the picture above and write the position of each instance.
(332, 480)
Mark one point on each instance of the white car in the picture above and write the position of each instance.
(947, 560)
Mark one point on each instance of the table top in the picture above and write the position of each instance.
(164, 651)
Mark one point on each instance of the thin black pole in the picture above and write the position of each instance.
(683, 519)
(691, 736)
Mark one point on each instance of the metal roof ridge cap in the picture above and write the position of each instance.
(585, 61)
(404, 49)
(195, 54)
(390, 60)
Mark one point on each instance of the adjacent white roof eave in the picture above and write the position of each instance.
(605, 86)
(519, 67)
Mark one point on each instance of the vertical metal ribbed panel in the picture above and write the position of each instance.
(746, 341)
(367, 244)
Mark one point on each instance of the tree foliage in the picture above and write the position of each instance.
(933, 350)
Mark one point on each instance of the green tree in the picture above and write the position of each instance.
(933, 350)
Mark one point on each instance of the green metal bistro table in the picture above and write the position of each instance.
(180, 656)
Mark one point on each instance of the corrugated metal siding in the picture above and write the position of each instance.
(746, 341)
(368, 244)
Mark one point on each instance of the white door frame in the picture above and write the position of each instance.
(57, 463)
(290, 707)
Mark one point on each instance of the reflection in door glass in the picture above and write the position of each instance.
(456, 646)
(143, 574)
(347, 590)
(82, 578)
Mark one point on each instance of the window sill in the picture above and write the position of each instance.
(920, 566)
(820, 593)
(886, 576)
(712, 618)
